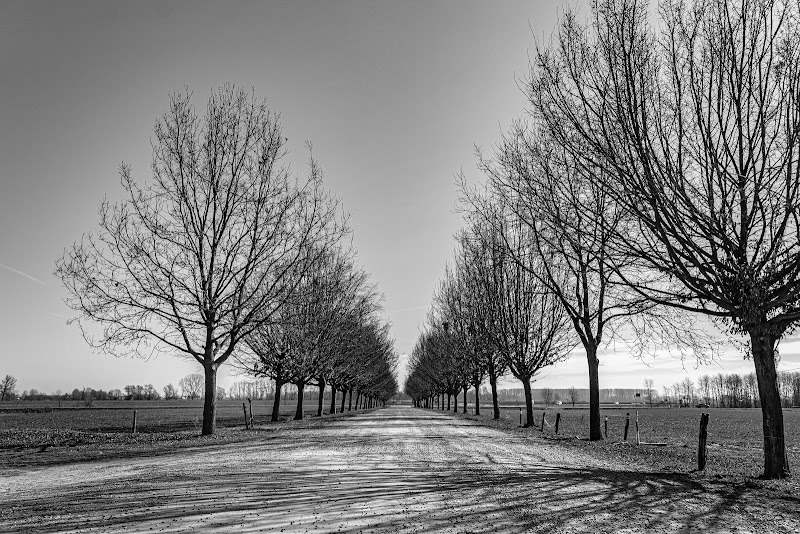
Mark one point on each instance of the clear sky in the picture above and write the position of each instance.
(393, 95)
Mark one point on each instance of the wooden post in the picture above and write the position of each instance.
(558, 420)
(246, 422)
(133, 430)
(637, 428)
(701, 446)
(543, 421)
(606, 427)
(520, 416)
(627, 424)
(250, 405)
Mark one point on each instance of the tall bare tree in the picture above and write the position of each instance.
(480, 247)
(532, 328)
(206, 252)
(569, 220)
(696, 126)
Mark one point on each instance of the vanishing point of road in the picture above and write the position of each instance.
(397, 469)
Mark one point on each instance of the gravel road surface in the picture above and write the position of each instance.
(397, 469)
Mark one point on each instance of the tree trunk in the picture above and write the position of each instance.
(344, 398)
(320, 400)
(448, 401)
(495, 403)
(455, 402)
(276, 404)
(298, 412)
(776, 464)
(350, 400)
(358, 398)
(477, 397)
(333, 400)
(464, 404)
(595, 433)
(210, 403)
(526, 386)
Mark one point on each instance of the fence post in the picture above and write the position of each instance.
(637, 428)
(606, 424)
(246, 422)
(543, 421)
(627, 424)
(701, 446)
(133, 430)
(520, 416)
(558, 420)
(250, 405)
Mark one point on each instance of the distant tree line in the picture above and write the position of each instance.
(731, 390)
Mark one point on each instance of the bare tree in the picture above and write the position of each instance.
(574, 395)
(201, 256)
(459, 303)
(697, 129)
(569, 220)
(547, 396)
(649, 390)
(482, 251)
(318, 334)
(8, 388)
(687, 390)
(170, 392)
(532, 328)
(192, 386)
(704, 385)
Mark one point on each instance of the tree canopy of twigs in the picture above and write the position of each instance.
(328, 331)
(694, 128)
(510, 315)
(206, 252)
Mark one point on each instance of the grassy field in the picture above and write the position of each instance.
(31, 433)
(674, 426)
(735, 437)
(117, 416)
(738, 427)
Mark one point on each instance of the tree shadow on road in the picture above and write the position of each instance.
(296, 492)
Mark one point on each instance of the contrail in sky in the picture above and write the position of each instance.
(29, 277)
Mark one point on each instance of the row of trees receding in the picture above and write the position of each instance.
(656, 171)
(226, 255)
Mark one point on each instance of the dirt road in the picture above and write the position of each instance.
(397, 469)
